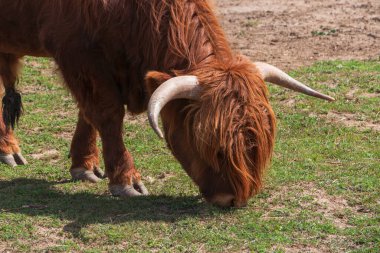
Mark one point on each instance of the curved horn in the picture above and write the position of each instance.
(276, 76)
(174, 88)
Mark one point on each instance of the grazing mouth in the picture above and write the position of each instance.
(223, 200)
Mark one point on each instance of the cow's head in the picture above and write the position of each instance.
(219, 124)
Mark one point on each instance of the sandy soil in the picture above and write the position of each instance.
(293, 33)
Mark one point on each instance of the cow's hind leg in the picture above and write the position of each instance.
(84, 153)
(9, 149)
(10, 152)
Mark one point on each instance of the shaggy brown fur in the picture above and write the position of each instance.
(234, 115)
(105, 48)
(84, 152)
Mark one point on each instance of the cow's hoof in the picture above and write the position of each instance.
(99, 172)
(13, 159)
(138, 189)
(8, 159)
(84, 175)
(20, 159)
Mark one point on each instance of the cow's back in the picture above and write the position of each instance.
(19, 27)
(40, 27)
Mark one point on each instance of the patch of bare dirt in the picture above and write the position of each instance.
(351, 120)
(305, 248)
(47, 238)
(165, 176)
(293, 33)
(66, 134)
(331, 207)
(33, 89)
(309, 197)
(370, 95)
(51, 154)
(351, 94)
(161, 178)
(291, 102)
(4, 248)
(135, 119)
(330, 244)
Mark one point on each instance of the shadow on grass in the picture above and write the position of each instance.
(36, 197)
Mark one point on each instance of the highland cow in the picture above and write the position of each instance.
(169, 57)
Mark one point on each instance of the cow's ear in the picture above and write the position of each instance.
(153, 79)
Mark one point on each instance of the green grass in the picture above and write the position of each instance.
(322, 190)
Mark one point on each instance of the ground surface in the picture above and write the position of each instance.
(293, 33)
(322, 190)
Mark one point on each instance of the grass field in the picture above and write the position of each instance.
(322, 192)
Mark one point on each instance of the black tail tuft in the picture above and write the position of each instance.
(12, 107)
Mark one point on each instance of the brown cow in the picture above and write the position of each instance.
(145, 54)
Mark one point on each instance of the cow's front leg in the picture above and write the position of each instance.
(84, 153)
(99, 99)
(125, 180)
(107, 118)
